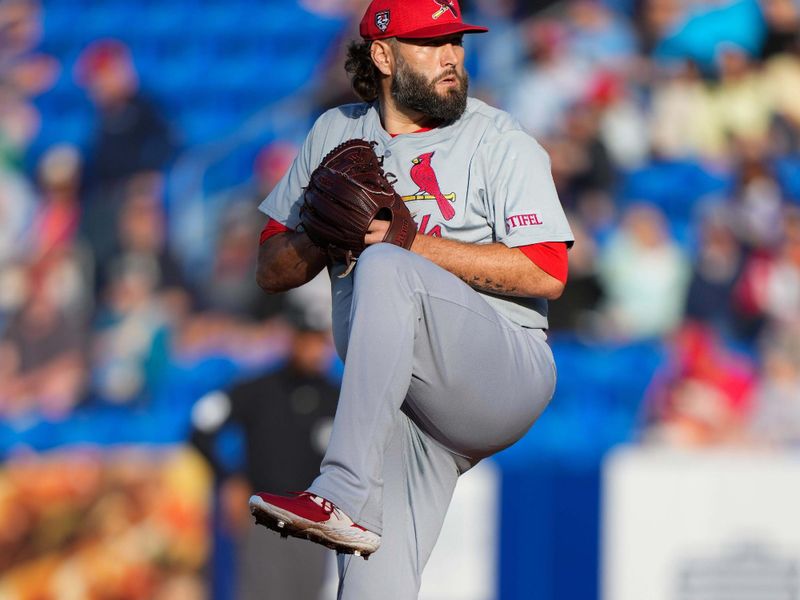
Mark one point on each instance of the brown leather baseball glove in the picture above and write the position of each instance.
(346, 192)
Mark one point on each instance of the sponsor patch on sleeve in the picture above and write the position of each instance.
(523, 220)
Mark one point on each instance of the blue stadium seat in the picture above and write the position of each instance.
(111, 19)
(787, 171)
(213, 63)
(674, 185)
(163, 19)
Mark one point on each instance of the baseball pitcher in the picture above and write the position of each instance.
(438, 220)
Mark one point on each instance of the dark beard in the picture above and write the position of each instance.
(411, 90)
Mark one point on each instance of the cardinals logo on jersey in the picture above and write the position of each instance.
(444, 6)
(424, 177)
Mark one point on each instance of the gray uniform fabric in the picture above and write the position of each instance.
(435, 380)
(419, 480)
(494, 175)
(419, 338)
(437, 375)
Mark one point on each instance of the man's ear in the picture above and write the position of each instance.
(382, 56)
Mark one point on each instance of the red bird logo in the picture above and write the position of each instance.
(423, 175)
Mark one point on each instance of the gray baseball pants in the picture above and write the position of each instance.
(435, 379)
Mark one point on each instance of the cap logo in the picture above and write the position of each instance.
(382, 20)
(444, 6)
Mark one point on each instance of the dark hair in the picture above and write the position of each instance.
(364, 75)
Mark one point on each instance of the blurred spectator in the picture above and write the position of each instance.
(644, 275)
(237, 321)
(776, 418)
(21, 26)
(131, 341)
(42, 354)
(17, 207)
(596, 212)
(579, 159)
(758, 211)
(715, 271)
(140, 236)
(130, 136)
(23, 74)
(741, 100)
(229, 286)
(499, 57)
(702, 395)
(285, 419)
(623, 121)
(781, 74)
(782, 281)
(270, 166)
(575, 310)
(55, 227)
(553, 81)
(20, 120)
(655, 19)
(783, 27)
(599, 35)
(143, 297)
(683, 119)
(19, 123)
(757, 204)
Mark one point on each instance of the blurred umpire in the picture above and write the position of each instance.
(285, 418)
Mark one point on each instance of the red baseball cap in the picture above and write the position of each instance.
(414, 19)
(99, 57)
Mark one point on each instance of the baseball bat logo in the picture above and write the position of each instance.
(444, 6)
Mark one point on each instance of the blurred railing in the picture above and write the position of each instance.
(192, 200)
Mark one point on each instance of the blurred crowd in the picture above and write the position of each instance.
(673, 128)
(94, 306)
(674, 135)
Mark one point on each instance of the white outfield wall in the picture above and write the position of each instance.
(710, 525)
(463, 565)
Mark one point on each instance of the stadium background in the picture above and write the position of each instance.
(674, 132)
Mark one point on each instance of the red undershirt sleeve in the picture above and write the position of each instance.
(271, 228)
(550, 257)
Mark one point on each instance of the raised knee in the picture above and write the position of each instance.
(381, 260)
(381, 252)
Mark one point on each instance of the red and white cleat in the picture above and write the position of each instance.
(314, 518)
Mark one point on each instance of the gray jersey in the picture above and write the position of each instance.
(479, 180)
